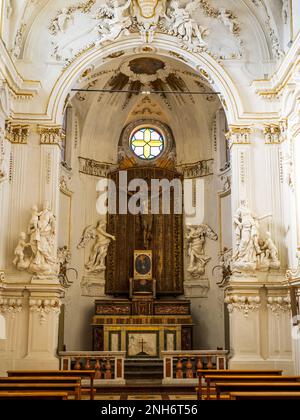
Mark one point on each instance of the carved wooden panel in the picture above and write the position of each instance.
(166, 242)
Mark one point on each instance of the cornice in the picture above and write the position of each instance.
(19, 87)
(272, 87)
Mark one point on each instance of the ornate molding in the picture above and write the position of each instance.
(199, 169)
(11, 306)
(44, 307)
(95, 168)
(244, 304)
(279, 304)
(16, 133)
(238, 135)
(2, 276)
(51, 135)
(64, 185)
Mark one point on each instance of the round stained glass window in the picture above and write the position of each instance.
(147, 143)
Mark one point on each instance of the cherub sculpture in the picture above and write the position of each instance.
(114, 21)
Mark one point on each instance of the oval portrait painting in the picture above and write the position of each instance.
(143, 264)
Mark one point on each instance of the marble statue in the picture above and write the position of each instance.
(183, 25)
(61, 21)
(270, 251)
(42, 233)
(96, 262)
(252, 252)
(226, 18)
(19, 261)
(114, 21)
(196, 240)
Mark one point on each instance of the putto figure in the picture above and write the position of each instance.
(115, 21)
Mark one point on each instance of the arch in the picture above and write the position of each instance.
(163, 46)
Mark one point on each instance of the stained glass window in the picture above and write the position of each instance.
(147, 143)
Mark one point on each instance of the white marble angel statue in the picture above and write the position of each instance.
(227, 18)
(183, 25)
(114, 21)
(61, 21)
(196, 240)
(96, 262)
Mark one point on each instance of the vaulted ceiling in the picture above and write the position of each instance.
(189, 116)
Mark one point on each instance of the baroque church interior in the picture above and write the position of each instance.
(99, 100)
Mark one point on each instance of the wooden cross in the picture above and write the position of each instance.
(142, 342)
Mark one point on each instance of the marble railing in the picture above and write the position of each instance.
(107, 365)
(180, 365)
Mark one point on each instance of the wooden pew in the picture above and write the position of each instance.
(83, 374)
(33, 395)
(212, 379)
(73, 380)
(246, 396)
(257, 387)
(72, 388)
(204, 372)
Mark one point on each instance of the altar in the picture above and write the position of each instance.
(142, 328)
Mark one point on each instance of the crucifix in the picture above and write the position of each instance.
(143, 342)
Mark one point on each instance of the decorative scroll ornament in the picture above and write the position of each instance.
(244, 304)
(64, 258)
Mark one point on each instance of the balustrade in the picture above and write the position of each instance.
(184, 365)
(108, 366)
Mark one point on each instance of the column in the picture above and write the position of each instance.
(30, 296)
(256, 296)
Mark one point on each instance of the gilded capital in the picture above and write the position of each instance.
(16, 133)
(51, 135)
(276, 133)
(238, 135)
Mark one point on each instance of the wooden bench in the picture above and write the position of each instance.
(83, 374)
(73, 380)
(212, 379)
(71, 388)
(202, 373)
(244, 396)
(257, 387)
(33, 396)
